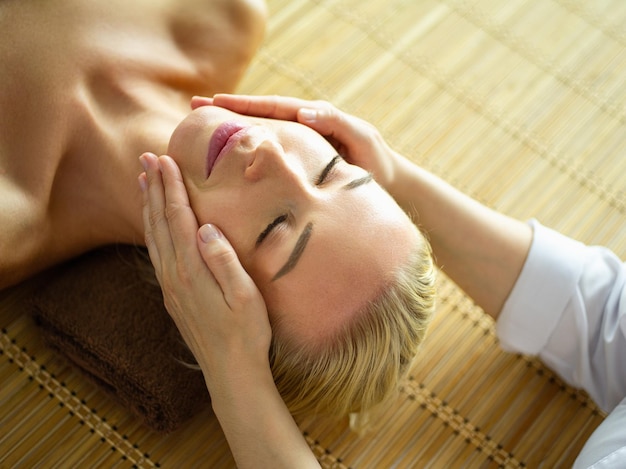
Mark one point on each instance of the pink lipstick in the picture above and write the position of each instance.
(221, 142)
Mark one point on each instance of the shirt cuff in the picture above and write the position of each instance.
(542, 291)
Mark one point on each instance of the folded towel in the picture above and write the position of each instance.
(101, 312)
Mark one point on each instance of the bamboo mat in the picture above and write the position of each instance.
(521, 105)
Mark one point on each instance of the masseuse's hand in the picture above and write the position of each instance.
(356, 140)
(222, 317)
(214, 303)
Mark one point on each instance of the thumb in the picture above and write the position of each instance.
(320, 120)
(331, 122)
(221, 259)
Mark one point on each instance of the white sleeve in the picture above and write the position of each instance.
(606, 449)
(569, 308)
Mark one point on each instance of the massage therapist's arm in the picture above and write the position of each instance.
(222, 317)
(481, 250)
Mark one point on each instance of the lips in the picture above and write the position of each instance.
(221, 141)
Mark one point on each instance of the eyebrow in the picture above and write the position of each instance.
(369, 177)
(304, 237)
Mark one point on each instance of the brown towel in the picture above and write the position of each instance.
(101, 313)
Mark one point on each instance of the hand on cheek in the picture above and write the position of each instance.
(214, 303)
(222, 317)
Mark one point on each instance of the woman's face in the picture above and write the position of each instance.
(317, 235)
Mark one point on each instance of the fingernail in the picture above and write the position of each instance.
(308, 115)
(144, 159)
(144, 162)
(143, 184)
(209, 232)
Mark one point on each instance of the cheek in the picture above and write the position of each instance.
(225, 211)
(217, 205)
(236, 213)
(186, 148)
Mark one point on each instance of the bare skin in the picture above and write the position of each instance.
(86, 88)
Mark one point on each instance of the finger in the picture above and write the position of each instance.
(273, 107)
(221, 259)
(178, 212)
(149, 240)
(155, 223)
(333, 123)
(199, 101)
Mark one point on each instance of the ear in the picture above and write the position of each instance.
(199, 101)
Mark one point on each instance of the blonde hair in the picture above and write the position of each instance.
(359, 368)
(357, 371)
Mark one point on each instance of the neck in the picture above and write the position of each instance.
(103, 167)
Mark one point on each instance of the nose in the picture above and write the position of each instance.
(272, 163)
